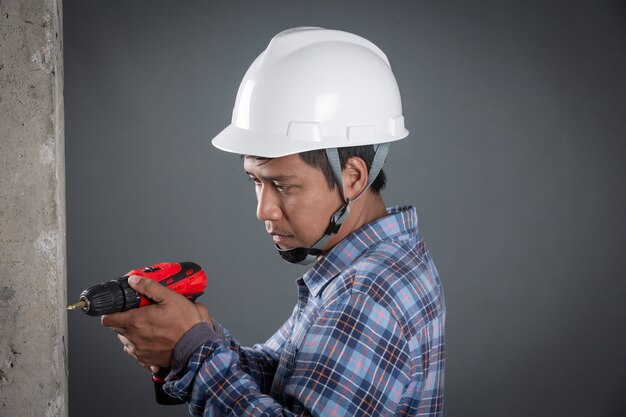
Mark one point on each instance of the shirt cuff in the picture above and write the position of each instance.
(191, 341)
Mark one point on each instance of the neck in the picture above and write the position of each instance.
(366, 209)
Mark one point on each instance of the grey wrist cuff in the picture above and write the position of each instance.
(191, 341)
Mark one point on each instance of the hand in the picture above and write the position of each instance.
(149, 334)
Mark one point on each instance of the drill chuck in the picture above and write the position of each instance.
(108, 298)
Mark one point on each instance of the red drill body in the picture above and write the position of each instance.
(186, 278)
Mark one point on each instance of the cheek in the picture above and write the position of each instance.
(310, 217)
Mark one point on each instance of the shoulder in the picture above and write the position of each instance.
(401, 277)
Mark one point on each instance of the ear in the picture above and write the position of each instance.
(354, 177)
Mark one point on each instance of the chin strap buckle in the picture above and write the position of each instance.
(337, 218)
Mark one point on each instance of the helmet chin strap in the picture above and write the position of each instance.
(305, 256)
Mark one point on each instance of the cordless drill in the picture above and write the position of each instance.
(186, 278)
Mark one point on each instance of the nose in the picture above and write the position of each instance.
(268, 207)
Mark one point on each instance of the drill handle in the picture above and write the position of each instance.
(161, 397)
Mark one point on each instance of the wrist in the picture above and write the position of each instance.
(195, 337)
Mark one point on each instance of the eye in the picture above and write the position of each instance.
(255, 180)
(281, 187)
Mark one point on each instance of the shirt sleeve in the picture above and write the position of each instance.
(259, 361)
(354, 361)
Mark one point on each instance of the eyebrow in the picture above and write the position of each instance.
(277, 178)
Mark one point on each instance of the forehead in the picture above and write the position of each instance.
(291, 165)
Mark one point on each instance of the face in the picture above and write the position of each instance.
(294, 201)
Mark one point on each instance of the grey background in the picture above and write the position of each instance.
(515, 161)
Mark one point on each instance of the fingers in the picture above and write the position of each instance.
(116, 322)
(152, 368)
(149, 334)
(151, 289)
(128, 347)
(123, 340)
(204, 313)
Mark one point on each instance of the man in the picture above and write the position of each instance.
(313, 119)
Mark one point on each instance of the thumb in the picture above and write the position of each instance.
(151, 289)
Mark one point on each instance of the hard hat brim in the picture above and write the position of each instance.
(272, 145)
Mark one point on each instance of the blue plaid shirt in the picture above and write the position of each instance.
(366, 338)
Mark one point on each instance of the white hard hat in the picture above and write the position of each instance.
(314, 88)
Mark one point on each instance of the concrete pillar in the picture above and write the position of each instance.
(33, 325)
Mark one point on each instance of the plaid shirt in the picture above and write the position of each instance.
(366, 338)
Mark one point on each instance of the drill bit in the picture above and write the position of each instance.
(82, 304)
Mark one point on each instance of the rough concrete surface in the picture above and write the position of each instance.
(33, 326)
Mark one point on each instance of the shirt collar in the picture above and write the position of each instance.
(399, 220)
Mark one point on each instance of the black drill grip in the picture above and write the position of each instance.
(160, 395)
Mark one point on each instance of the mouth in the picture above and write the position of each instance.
(279, 237)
